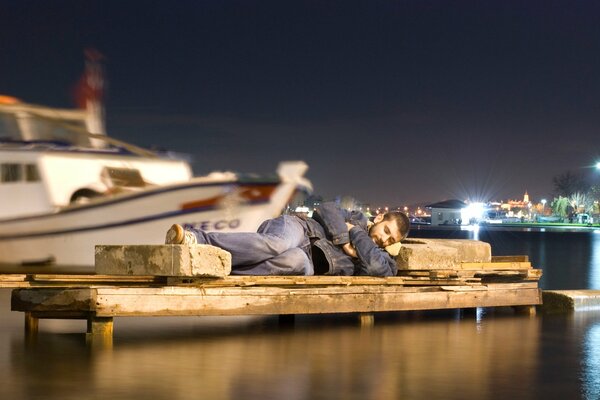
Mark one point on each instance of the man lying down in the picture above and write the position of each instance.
(333, 242)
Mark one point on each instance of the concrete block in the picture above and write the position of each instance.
(441, 253)
(566, 301)
(163, 260)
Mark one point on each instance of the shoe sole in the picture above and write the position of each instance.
(175, 235)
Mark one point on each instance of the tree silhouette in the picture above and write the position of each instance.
(569, 183)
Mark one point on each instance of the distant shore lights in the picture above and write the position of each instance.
(474, 212)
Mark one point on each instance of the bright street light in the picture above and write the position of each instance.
(598, 165)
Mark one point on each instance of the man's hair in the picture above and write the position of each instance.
(401, 220)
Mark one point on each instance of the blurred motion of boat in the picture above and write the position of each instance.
(66, 186)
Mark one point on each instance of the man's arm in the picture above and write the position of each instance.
(374, 260)
(333, 220)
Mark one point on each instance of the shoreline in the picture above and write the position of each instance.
(517, 227)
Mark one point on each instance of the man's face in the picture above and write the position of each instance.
(385, 233)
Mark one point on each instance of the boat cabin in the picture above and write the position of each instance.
(49, 159)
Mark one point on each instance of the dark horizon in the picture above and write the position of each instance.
(389, 102)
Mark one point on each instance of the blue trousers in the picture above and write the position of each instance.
(280, 246)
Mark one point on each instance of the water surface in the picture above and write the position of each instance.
(468, 354)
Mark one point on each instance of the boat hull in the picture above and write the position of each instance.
(68, 237)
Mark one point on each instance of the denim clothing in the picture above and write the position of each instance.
(279, 247)
(327, 230)
(290, 245)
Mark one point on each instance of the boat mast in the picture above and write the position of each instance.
(90, 91)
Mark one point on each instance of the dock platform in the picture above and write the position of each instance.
(100, 298)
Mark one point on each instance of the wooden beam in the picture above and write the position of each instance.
(510, 265)
(186, 301)
(521, 258)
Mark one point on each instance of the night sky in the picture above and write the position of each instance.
(392, 102)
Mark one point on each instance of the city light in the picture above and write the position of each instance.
(473, 212)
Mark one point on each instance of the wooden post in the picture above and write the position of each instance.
(99, 325)
(31, 324)
(367, 320)
(525, 310)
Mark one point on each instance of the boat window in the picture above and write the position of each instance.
(31, 173)
(128, 177)
(47, 129)
(10, 172)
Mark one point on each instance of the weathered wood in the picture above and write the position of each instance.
(520, 258)
(511, 265)
(366, 320)
(289, 281)
(407, 278)
(53, 280)
(515, 285)
(95, 278)
(99, 325)
(52, 300)
(525, 310)
(109, 301)
(31, 324)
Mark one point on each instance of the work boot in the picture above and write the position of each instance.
(177, 235)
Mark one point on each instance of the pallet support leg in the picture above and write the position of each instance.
(366, 320)
(31, 324)
(525, 310)
(99, 326)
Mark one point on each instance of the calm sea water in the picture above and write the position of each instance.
(487, 354)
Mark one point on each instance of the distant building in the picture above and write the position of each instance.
(447, 212)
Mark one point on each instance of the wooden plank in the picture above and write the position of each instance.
(112, 303)
(514, 285)
(93, 278)
(185, 301)
(415, 272)
(13, 280)
(12, 277)
(289, 281)
(521, 258)
(441, 282)
(496, 265)
(52, 299)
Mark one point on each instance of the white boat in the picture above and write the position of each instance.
(64, 190)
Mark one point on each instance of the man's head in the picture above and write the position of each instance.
(389, 228)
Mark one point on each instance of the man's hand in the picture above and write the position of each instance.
(349, 226)
(350, 250)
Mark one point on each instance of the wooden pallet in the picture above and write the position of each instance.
(507, 281)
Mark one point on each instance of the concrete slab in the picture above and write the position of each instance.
(441, 253)
(566, 301)
(163, 260)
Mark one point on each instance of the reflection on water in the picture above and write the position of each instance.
(594, 265)
(591, 363)
(434, 355)
(424, 356)
(473, 354)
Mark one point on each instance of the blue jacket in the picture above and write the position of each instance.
(328, 232)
